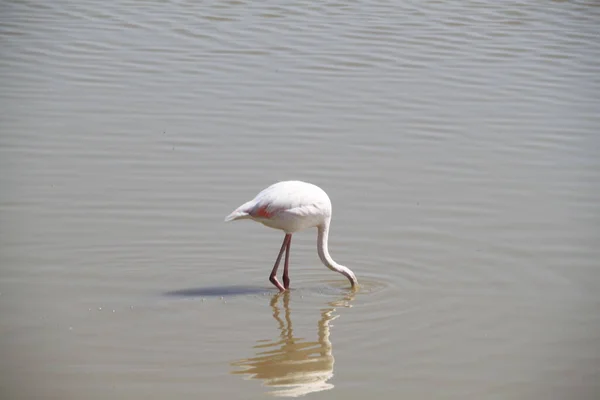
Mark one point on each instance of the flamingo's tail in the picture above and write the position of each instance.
(240, 213)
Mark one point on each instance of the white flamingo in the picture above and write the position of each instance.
(292, 206)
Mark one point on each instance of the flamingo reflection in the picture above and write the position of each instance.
(290, 365)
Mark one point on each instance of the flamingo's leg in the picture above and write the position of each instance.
(273, 276)
(286, 278)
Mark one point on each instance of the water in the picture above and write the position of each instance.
(458, 143)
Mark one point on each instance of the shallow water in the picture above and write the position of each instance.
(457, 141)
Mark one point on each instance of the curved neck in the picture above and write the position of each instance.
(322, 238)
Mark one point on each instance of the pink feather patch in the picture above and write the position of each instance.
(261, 212)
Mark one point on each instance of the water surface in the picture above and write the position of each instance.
(458, 143)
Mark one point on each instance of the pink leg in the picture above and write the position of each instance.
(286, 278)
(273, 276)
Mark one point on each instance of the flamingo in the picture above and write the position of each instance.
(292, 206)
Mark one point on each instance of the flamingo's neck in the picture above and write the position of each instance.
(322, 239)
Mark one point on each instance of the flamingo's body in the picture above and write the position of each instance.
(293, 206)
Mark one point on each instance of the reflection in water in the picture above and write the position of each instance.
(292, 365)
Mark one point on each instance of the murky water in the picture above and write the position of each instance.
(458, 142)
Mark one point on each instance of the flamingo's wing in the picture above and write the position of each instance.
(298, 198)
(287, 198)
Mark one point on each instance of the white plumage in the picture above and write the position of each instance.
(292, 206)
